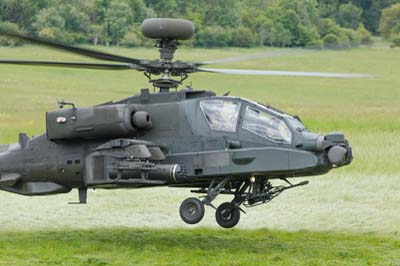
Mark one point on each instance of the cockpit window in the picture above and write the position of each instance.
(296, 124)
(221, 114)
(266, 125)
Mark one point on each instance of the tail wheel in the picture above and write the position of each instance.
(192, 210)
(227, 215)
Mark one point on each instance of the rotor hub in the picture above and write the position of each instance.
(167, 33)
(167, 49)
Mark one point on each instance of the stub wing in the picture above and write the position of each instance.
(9, 179)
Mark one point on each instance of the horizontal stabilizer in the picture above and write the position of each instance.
(8, 180)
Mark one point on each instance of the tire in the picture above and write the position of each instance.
(192, 210)
(227, 215)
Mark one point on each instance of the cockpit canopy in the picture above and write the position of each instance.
(266, 125)
(222, 114)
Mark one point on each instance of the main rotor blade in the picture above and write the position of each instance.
(282, 73)
(269, 54)
(77, 50)
(99, 66)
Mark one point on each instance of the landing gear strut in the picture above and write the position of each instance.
(249, 193)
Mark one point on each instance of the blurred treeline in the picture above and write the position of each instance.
(219, 23)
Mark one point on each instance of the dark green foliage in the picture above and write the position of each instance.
(131, 39)
(75, 19)
(66, 22)
(117, 19)
(390, 24)
(20, 12)
(242, 23)
(372, 14)
(364, 35)
(213, 37)
(347, 11)
(11, 27)
(349, 16)
(141, 11)
(243, 37)
(331, 41)
(292, 23)
(223, 13)
(395, 40)
(352, 37)
(164, 8)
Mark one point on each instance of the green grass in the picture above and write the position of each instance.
(358, 205)
(194, 247)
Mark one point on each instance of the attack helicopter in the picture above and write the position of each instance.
(177, 138)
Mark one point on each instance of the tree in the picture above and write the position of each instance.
(279, 36)
(395, 40)
(288, 28)
(9, 27)
(63, 23)
(372, 13)
(349, 16)
(164, 8)
(131, 39)
(49, 18)
(241, 22)
(117, 17)
(328, 9)
(224, 13)
(213, 37)
(364, 35)
(243, 37)
(75, 19)
(96, 32)
(141, 11)
(95, 10)
(19, 12)
(390, 21)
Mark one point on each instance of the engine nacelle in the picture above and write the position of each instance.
(107, 121)
(141, 120)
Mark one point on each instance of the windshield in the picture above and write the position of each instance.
(296, 124)
(221, 114)
(266, 125)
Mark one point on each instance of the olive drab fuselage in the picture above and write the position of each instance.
(184, 138)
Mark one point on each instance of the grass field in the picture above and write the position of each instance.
(194, 247)
(351, 216)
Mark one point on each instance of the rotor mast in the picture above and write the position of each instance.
(167, 33)
(167, 48)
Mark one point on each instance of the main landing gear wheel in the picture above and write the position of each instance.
(227, 215)
(192, 210)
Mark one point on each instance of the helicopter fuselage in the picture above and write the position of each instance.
(184, 138)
